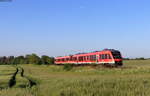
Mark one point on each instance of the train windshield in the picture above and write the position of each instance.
(116, 55)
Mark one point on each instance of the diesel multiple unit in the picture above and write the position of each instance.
(106, 57)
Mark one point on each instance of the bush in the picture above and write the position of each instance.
(68, 67)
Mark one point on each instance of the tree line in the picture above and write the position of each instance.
(140, 58)
(28, 59)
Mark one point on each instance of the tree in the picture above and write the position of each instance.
(33, 59)
(11, 59)
(28, 59)
(141, 58)
(20, 60)
(3, 60)
(47, 60)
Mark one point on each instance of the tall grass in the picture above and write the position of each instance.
(133, 79)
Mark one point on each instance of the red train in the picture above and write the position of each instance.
(106, 57)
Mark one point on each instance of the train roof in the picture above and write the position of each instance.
(112, 50)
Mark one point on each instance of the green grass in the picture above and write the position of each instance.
(133, 79)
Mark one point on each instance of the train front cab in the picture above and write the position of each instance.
(110, 58)
(117, 58)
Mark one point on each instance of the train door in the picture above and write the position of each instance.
(101, 58)
(108, 58)
(105, 58)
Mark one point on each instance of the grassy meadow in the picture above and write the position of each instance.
(133, 79)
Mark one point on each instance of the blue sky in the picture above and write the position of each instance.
(62, 27)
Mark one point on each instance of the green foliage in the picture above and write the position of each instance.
(28, 59)
(133, 79)
(68, 67)
(47, 60)
(34, 59)
(141, 58)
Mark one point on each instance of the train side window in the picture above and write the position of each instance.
(84, 57)
(71, 58)
(63, 59)
(90, 57)
(106, 56)
(87, 57)
(109, 57)
(100, 56)
(103, 56)
(81, 58)
(94, 57)
(75, 58)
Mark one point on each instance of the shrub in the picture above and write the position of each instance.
(68, 67)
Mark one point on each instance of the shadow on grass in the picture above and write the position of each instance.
(31, 82)
(23, 86)
(1, 88)
(12, 81)
(6, 74)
